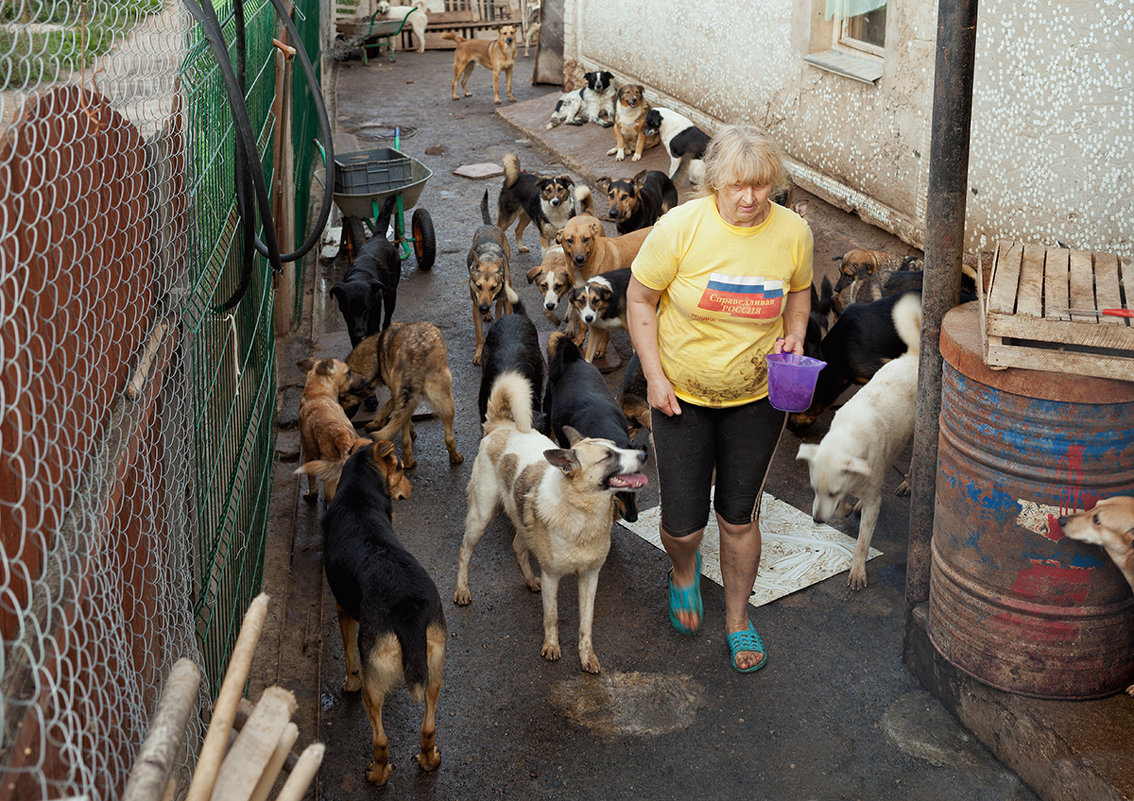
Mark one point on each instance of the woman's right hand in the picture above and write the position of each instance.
(660, 395)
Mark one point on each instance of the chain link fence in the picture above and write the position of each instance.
(137, 420)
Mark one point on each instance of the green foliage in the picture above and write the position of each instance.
(42, 41)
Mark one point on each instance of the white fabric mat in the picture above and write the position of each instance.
(797, 551)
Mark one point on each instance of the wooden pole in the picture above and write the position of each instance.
(305, 770)
(246, 761)
(166, 737)
(232, 690)
(276, 763)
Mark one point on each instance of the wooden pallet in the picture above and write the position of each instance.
(1025, 311)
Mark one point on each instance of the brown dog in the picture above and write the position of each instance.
(1109, 524)
(498, 55)
(630, 110)
(592, 252)
(412, 361)
(489, 279)
(553, 277)
(326, 435)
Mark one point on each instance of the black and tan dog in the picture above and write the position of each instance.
(637, 202)
(600, 304)
(633, 397)
(577, 397)
(546, 201)
(370, 285)
(412, 361)
(630, 110)
(489, 279)
(499, 55)
(390, 614)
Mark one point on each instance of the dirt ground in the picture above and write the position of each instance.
(835, 714)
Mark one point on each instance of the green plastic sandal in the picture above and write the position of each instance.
(686, 599)
(746, 641)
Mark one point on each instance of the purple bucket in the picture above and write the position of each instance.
(791, 380)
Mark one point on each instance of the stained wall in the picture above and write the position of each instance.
(1052, 152)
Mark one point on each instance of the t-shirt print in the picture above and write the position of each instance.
(751, 296)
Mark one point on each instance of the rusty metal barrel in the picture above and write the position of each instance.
(1012, 601)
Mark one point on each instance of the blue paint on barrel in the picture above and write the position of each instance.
(1013, 602)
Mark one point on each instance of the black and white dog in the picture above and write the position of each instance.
(592, 103)
(684, 141)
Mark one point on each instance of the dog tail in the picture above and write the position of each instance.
(584, 200)
(510, 293)
(511, 399)
(511, 170)
(484, 215)
(411, 619)
(456, 37)
(322, 468)
(907, 320)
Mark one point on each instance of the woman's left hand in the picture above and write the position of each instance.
(788, 344)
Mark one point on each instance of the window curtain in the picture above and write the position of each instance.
(842, 9)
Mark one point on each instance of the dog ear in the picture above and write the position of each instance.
(533, 272)
(605, 292)
(854, 464)
(338, 292)
(639, 180)
(597, 229)
(573, 436)
(559, 237)
(807, 452)
(306, 364)
(604, 182)
(563, 459)
(385, 455)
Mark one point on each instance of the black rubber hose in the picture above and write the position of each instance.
(248, 250)
(245, 139)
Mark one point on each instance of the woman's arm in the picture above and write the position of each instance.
(797, 309)
(642, 319)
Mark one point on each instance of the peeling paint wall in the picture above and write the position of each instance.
(1052, 153)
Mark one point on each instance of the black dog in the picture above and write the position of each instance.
(512, 345)
(633, 397)
(866, 336)
(637, 202)
(387, 604)
(371, 283)
(577, 396)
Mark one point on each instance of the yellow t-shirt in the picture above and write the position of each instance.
(723, 291)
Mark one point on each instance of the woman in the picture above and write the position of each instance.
(721, 281)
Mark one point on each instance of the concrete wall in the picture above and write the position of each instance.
(1052, 158)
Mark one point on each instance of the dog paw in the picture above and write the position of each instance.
(409, 464)
(857, 579)
(429, 760)
(550, 651)
(619, 156)
(903, 489)
(455, 458)
(461, 596)
(612, 151)
(352, 683)
(523, 249)
(533, 584)
(378, 774)
(1130, 690)
(636, 157)
(590, 663)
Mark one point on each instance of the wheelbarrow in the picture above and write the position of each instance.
(373, 29)
(364, 180)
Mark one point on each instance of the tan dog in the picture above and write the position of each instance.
(489, 279)
(592, 252)
(412, 361)
(326, 435)
(558, 499)
(1109, 524)
(498, 55)
(630, 110)
(553, 277)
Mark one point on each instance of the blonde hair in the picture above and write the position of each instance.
(740, 154)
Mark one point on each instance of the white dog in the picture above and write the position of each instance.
(417, 21)
(558, 499)
(683, 141)
(591, 103)
(867, 434)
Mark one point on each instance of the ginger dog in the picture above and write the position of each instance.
(326, 435)
(498, 56)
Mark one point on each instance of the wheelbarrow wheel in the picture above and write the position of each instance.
(355, 235)
(424, 240)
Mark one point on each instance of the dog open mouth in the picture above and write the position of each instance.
(630, 481)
